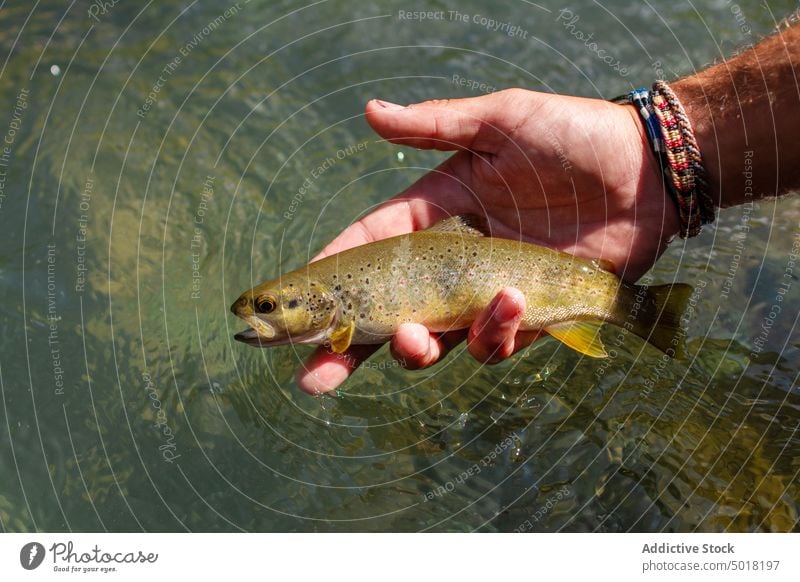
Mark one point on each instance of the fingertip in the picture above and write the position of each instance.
(321, 378)
(379, 116)
(509, 305)
(377, 105)
(413, 346)
(507, 308)
(492, 336)
(325, 370)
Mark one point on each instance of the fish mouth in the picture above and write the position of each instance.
(262, 335)
(260, 332)
(250, 337)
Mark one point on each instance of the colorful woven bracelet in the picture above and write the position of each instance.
(686, 169)
(679, 171)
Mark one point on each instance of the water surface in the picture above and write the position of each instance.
(157, 153)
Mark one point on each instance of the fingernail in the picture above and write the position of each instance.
(418, 337)
(388, 105)
(507, 310)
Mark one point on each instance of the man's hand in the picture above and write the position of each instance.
(573, 174)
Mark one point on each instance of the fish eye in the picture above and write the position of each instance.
(265, 305)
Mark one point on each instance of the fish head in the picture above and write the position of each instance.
(286, 310)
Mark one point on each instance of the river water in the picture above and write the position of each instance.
(154, 158)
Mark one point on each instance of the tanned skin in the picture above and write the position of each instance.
(749, 104)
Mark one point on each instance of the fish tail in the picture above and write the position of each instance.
(654, 314)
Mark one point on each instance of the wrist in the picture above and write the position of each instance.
(651, 191)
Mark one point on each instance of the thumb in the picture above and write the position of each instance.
(476, 123)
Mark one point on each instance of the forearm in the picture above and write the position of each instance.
(746, 116)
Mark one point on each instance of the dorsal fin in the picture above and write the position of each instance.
(468, 224)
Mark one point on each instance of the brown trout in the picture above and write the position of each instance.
(443, 277)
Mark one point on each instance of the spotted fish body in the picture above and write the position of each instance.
(442, 278)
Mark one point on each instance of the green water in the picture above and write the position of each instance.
(130, 223)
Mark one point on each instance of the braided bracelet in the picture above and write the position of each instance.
(673, 143)
(680, 171)
(666, 107)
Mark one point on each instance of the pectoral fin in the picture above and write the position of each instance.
(342, 336)
(582, 336)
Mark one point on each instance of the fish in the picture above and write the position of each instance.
(442, 277)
